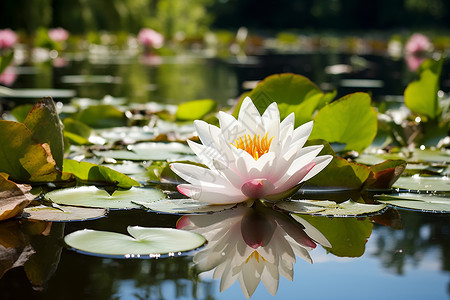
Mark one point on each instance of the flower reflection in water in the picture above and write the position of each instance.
(252, 244)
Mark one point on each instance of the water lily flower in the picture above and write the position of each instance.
(58, 34)
(150, 38)
(252, 157)
(416, 49)
(8, 38)
(251, 245)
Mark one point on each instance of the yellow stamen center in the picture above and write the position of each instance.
(256, 256)
(255, 146)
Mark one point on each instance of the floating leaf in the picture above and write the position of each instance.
(383, 175)
(101, 116)
(21, 112)
(61, 213)
(13, 198)
(420, 183)
(350, 120)
(5, 60)
(347, 236)
(423, 202)
(77, 132)
(91, 196)
(293, 93)
(23, 158)
(348, 208)
(148, 151)
(421, 96)
(91, 173)
(143, 242)
(195, 110)
(44, 123)
(183, 206)
(339, 174)
(127, 133)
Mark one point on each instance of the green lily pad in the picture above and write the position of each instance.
(148, 151)
(143, 242)
(347, 236)
(183, 206)
(101, 116)
(420, 183)
(127, 133)
(23, 158)
(421, 96)
(86, 172)
(349, 120)
(348, 208)
(423, 202)
(44, 123)
(195, 110)
(62, 213)
(91, 196)
(293, 93)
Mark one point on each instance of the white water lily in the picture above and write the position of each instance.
(252, 157)
(251, 245)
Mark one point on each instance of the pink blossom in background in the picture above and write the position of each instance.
(8, 38)
(58, 34)
(8, 77)
(418, 43)
(150, 38)
(416, 50)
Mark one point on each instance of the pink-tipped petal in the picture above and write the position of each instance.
(257, 188)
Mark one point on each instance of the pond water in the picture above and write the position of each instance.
(400, 254)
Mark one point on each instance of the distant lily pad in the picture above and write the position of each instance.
(143, 242)
(421, 183)
(423, 202)
(348, 208)
(148, 151)
(182, 206)
(127, 134)
(91, 196)
(62, 213)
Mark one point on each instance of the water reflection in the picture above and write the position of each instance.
(252, 244)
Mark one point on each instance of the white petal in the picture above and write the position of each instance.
(249, 118)
(212, 195)
(313, 232)
(198, 175)
(270, 278)
(304, 156)
(321, 163)
(206, 154)
(229, 127)
(301, 134)
(206, 133)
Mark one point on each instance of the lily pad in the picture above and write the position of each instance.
(423, 202)
(91, 173)
(143, 242)
(421, 96)
(195, 110)
(421, 183)
(349, 120)
(61, 213)
(148, 151)
(293, 93)
(44, 123)
(126, 134)
(13, 197)
(347, 236)
(348, 208)
(91, 196)
(23, 158)
(182, 206)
